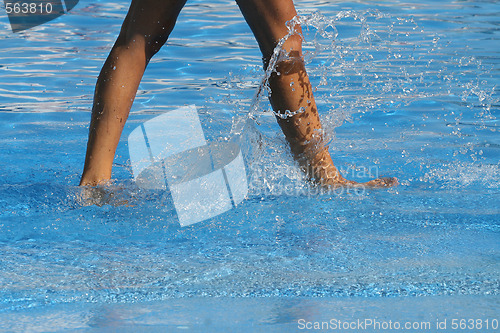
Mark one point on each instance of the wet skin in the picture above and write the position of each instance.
(145, 30)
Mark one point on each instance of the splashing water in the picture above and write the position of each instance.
(400, 99)
(366, 62)
(378, 60)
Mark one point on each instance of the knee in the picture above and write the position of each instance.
(149, 45)
(289, 54)
(293, 44)
(154, 43)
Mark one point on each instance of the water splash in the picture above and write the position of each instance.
(361, 62)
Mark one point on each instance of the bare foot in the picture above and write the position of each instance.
(321, 171)
(382, 182)
(103, 194)
(339, 181)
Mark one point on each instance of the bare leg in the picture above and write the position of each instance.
(145, 29)
(291, 90)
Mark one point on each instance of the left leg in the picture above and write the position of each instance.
(145, 29)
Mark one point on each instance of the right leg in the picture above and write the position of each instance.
(290, 87)
(145, 29)
(291, 90)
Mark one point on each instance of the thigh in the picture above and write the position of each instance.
(151, 21)
(267, 19)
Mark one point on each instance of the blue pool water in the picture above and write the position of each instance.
(404, 89)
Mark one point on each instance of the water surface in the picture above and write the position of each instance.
(404, 89)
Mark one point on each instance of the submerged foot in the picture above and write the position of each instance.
(327, 175)
(382, 182)
(320, 170)
(104, 194)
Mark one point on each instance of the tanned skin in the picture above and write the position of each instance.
(145, 30)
